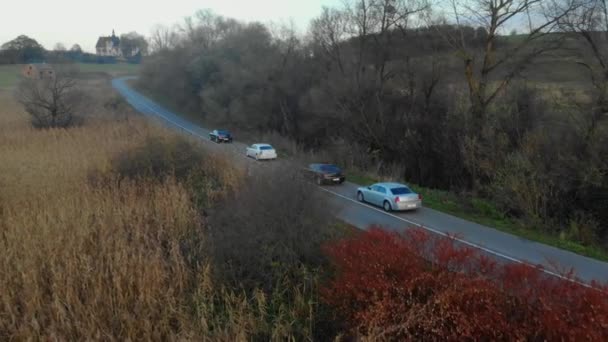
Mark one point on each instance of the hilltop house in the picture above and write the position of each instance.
(38, 71)
(108, 46)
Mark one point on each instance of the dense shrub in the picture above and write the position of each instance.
(265, 240)
(416, 286)
(159, 158)
(208, 176)
(272, 228)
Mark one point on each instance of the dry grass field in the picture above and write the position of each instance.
(79, 261)
(117, 261)
(9, 73)
(39, 162)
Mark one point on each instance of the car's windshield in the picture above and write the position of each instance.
(266, 147)
(401, 191)
(330, 169)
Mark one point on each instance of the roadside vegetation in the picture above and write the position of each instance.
(514, 127)
(483, 211)
(118, 229)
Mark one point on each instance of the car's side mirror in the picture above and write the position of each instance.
(369, 188)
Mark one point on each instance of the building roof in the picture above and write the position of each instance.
(102, 41)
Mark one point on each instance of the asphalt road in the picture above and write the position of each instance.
(505, 247)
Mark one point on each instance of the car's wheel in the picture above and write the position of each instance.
(360, 197)
(256, 157)
(386, 206)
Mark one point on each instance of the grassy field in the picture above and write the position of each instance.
(484, 212)
(9, 74)
(112, 69)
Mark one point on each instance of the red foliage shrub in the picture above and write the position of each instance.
(419, 286)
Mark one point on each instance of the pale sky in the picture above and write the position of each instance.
(82, 22)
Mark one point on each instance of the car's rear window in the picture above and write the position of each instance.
(401, 191)
(266, 147)
(223, 132)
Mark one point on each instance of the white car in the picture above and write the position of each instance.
(261, 151)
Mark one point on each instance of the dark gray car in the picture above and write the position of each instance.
(220, 135)
(325, 174)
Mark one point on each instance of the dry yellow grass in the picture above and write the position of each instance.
(114, 262)
(34, 162)
(80, 262)
(95, 263)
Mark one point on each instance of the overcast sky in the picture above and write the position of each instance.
(82, 22)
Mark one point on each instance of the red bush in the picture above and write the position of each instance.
(418, 286)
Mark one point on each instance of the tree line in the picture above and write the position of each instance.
(24, 49)
(440, 93)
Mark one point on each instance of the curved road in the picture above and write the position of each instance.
(505, 247)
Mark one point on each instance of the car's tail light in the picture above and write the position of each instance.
(397, 199)
(420, 197)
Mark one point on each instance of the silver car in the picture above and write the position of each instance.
(390, 196)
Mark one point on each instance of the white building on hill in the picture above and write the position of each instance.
(108, 46)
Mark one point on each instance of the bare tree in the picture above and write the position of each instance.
(329, 33)
(373, 22)
(494, 16)
(589, 22)
(289, 57)
(163, 38)
(52, 100)
(361, 39)
(206, 28)
(132, 44)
